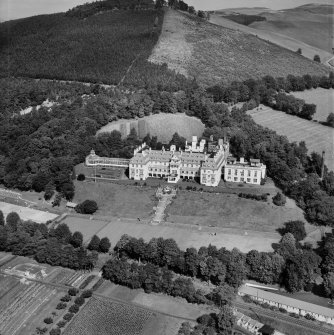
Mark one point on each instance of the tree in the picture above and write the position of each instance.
(316, 58)
(81, 177)
(296, 228)
(13, 220)
(299, 51)
(2, 219)
(279, 199)
(225, 320)
(73, 291)
(87, 207)
(77, 239)
(330, 119)
(104, 244)
(79, 301)
(55, 331)
(307, 112)
(94, 243)
(49, 190)
(48, 320)
(223, 295)
(74, 308)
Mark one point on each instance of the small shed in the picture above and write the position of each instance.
(71, 205)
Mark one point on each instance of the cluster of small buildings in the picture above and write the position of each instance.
(291, 305)
(203, 161)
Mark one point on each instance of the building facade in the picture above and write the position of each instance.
(174, 164)
(202, 161)
(251, 172)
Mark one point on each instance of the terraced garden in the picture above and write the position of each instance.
(104, 317)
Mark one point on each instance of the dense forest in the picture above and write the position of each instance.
(57, 247)
(100, 48)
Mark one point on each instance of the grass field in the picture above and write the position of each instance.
(312, 24)
(27, 213)
(117, 200)
(213, 54)
(276, 37)
(230, 211)
(324, 99)
(316, 136)
(161, 125)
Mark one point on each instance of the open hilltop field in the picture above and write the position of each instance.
(275, 37)
(316, 136)
(322, 98)
(311, 24)
(161, 125)
(212, 54)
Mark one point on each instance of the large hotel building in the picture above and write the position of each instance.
(202, 160)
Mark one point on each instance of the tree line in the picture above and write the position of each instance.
(55, 246)
(272, 92)
(292, 264)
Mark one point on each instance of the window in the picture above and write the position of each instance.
(242, 179)
(235, 178)
(229, 171)
(255, 174)
(255, 180)
(235, 172)
(249, 173)
(248, 180)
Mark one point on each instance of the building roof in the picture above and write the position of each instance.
(71, 204)
(281, 299)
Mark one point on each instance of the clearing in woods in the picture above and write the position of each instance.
(316, 136)
(212, 54)
(161, 125)
(322, 98)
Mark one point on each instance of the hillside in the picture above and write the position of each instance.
(212, 54)
(102, 47)
(275, 37)
(311, 24)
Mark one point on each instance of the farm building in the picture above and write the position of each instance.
(242, 171)
(292, 305)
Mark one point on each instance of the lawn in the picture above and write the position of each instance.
(229, 211)
(212, 54)
(117, 200)
(86, 226)
(161, 125)
(316, 136)
(322, 98)
(27, 213)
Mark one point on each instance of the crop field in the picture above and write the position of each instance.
(161, 125)
(27, 213)
(20, 302)
(117, 200)
(316, 136)
(275, 37)
(105, 317)
(322, 98)
(213, 54)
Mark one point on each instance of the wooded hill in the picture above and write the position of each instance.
(99, 48)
